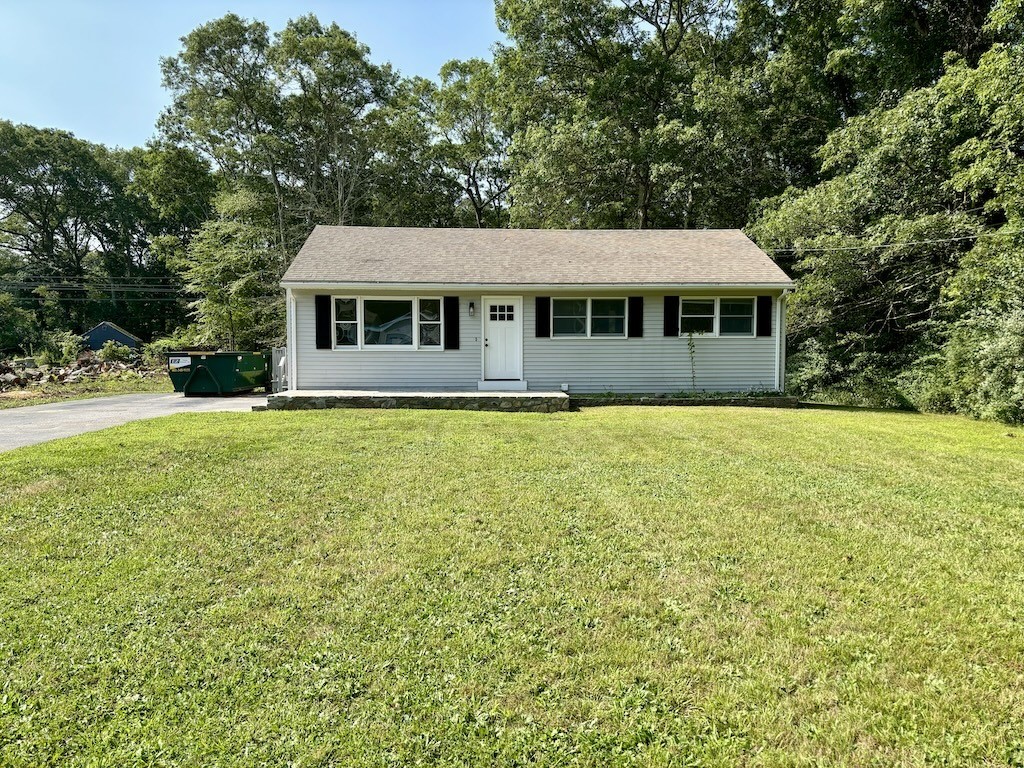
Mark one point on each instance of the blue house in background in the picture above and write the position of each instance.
(106, 331)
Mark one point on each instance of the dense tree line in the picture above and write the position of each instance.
(872, 148)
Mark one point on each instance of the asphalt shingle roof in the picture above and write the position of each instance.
(397, 255)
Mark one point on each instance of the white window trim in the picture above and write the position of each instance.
(590, 318)
(753, 317)
(716, 326)
(714, 317)
(360, 344)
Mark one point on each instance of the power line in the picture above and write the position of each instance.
(897, 245)
(26, 286)
(123, 299)
(139, 299)
(136, 278)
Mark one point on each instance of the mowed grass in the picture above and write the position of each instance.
(617, 586)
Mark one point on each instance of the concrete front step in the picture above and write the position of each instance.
(302, 400)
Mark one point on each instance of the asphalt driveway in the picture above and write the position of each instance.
(33, 424)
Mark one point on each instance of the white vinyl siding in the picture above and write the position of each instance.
(384, 368)
(651, 364)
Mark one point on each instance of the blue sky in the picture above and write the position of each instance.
(93, 66)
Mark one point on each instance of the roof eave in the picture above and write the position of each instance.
(418, 286)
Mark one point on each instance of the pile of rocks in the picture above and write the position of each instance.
(16, 374)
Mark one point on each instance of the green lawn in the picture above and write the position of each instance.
(618, 586)
(86, 388)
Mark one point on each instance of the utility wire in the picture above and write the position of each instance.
(123, 299)
(898, 245)
(140, 300)
(132, 278)
(96, 288)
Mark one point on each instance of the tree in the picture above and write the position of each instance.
(233, 265)
(409, 183)
(600, 97)
(300, 123)
(292, 112)
(82, 231)
(914, 235)
(686, 112)
(472, 143)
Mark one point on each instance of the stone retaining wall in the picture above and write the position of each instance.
(779, 401)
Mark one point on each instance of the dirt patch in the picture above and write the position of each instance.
(19, 394)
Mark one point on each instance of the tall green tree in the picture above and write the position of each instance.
(409, 182)
(472, 142)
(686, 112)
(911, 249)
(305, 118)
(83, 233)
(600, 97)
(233, 265)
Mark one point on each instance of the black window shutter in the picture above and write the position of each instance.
(671, 315)
(636, 316)
(322, 305)
(764, 315)
(543, 319)
(451, 322)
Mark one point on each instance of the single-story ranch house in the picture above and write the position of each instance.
(582, 311)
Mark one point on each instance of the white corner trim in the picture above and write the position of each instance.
(291, 339)
(780, 344)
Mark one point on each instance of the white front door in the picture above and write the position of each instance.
(503, 338)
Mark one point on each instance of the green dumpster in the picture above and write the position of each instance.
(217, 373)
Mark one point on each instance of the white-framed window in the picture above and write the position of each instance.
(736, 317)
(717, 316)
(429, 314)
(568, 317)
(388, 322)
(608, 317)
(346, 321)
(588, 318)
(697, 316)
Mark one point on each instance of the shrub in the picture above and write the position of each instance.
(979, 371)
(60, 348)
(154, 354)
(999, 393)
(114, 352)
(816, 373)
(18, 327)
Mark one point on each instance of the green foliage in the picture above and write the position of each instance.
(685, 113)
(114, 352)
(59, 348)
(18, 327)
(81, 221)
(154, 354)
(942, 169)
(235, 266)
(472, 143)
(600, 99)
(612, 587)
(978, 371)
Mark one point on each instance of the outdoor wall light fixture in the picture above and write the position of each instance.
(472, 308)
